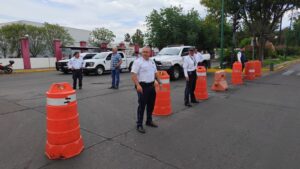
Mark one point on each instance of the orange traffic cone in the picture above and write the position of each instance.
(220, 83)
(201, 86)
(249, 70)
(257, 67)
(237, 74)
(63, 129)
(163, 96)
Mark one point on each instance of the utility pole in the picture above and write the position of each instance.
(222, 36)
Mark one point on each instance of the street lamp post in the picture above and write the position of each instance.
(222, 35)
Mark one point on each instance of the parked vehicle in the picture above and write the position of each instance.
(62, 65)
(100, 63)
(7, 68)
(170, 59)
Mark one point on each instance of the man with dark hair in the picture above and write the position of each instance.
(76, 65)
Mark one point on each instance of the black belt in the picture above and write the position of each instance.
(145, 84)
(191, 71)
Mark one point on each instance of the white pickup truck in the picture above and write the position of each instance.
(170, 59)
(100, 63)
(62, 65)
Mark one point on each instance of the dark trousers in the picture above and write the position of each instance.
(147, 98)
(77, 74)
(115, 75)
(190, 87)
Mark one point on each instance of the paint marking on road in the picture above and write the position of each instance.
(287, 73)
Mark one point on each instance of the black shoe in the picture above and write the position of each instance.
(80, 88)
(188, 105)
(116, 88)
(74, 88)
(151, 124)
(195, 101)
(141, 129)
(111, 87)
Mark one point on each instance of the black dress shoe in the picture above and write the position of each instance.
(80, 88)
(195, 101)
(141, 129)
(151, 124)
(111, 87)
(188, 105)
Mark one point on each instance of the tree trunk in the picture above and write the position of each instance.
(261, 48)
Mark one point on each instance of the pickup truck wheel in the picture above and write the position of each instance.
(99, 70)
(65, 71)
(175, 73)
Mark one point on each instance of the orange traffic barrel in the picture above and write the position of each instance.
(249, 70)
(201, 85)
(257, 67)
(237, 74)
(163, 96)
(220, 83)
(63, 130)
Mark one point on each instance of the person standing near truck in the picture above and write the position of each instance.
(76, 65)
(189, 69)
(116, 61)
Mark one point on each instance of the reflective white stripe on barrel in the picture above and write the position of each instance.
(164, 81)
(61, 101)
(252, 70)
(201, 74)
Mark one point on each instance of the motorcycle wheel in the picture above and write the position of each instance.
(8, 70)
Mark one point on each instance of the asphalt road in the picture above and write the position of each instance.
(253, 126)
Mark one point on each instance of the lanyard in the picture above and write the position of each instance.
(193, 59)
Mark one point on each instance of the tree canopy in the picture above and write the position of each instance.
(100, 35)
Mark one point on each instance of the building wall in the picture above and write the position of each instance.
(35, 62)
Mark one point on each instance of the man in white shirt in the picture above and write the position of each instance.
(199, 58)
(189, 69)
(144, 73)
(76, 65)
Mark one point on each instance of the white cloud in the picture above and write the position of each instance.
(118, 15)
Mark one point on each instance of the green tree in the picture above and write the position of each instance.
(37, 40)
(4, 46)
(138, 38)
(261, 16)
(100, 35)
(54, 31)
(12, 33)
(127, 38)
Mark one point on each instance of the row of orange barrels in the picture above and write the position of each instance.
(163, 107)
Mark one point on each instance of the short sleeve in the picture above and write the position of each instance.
(136, 67)
(155, 68)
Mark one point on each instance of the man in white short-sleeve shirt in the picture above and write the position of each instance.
(144, 73)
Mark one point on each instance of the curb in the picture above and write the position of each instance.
(34, 70)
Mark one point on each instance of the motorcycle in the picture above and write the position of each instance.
(7, 68)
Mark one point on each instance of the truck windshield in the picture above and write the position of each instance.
(88, 56)
(169, 51)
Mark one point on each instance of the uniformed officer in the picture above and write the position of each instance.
(76, 65)
(144, 73)
(199, 58)
(189, 68)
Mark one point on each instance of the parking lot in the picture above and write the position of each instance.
(253, 126)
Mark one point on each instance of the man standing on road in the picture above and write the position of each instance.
(241, 58)
(143, 75)
(199, 58)
(116, 61)
(189, 68)
(76, 65)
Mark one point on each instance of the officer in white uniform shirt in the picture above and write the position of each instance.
(189, 68)
(144, 73)
(199, 58)
(76, 65)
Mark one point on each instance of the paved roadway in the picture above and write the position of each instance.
(254, 126)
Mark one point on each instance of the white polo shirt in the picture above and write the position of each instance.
(145, 70)
(199, 57)
(75, 63)
(189, 64)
